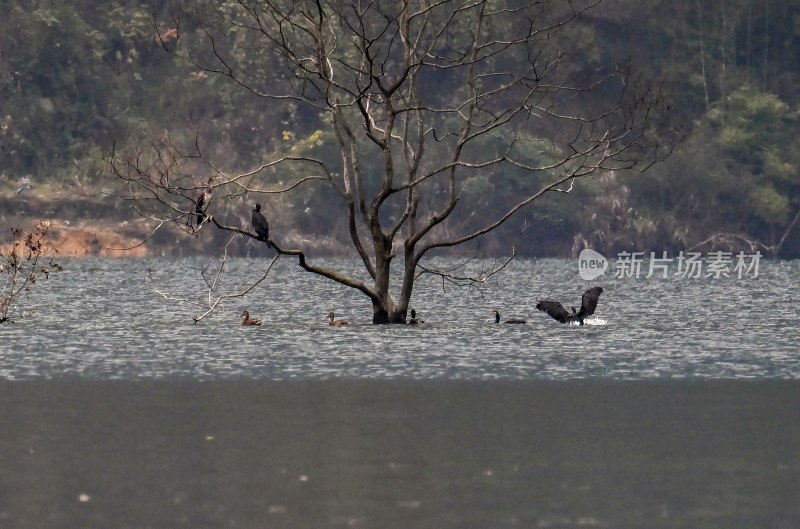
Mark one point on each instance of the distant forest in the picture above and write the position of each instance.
(76, 77)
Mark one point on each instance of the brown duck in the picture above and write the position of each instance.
(247, 320)
(334, 322)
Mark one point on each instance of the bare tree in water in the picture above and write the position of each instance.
(21, 265)
(421, 99)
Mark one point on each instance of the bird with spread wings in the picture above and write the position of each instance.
(588, 305)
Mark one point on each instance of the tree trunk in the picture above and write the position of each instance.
(384, 309)
(381, 314)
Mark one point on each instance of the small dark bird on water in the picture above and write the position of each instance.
(260, 224)
(510, 320)
(588, 305)
(414, 320)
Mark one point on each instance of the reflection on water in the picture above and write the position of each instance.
(399, 454)
(103, 319)
(678, 406)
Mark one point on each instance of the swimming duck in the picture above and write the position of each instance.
(414, 320)
(247, 320)
(511, 320)
(335, 323)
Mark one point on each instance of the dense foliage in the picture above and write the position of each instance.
(76, 77)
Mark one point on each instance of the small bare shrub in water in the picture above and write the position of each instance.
(21, 264)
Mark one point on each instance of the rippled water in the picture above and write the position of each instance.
(678, 407)
(399, 454)
(104, 319)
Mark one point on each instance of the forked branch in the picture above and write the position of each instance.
(212, 299)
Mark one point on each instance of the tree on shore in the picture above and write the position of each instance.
(423, 108)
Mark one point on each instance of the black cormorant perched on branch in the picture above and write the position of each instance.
(559, 313)
(511, 320)
(260, 224)
(201, 206)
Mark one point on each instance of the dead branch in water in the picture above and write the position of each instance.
(20, 266)
(211, 278)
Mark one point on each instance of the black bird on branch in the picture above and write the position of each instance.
(201, 206)
(588, 305)
(202, 202)
(260, 224)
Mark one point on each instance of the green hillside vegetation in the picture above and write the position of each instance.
(79, 79)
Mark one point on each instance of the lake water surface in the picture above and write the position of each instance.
(103, 319)
(678, 406)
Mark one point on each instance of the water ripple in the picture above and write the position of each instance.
(103, 319)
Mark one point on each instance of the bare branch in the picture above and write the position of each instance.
(143, 241)
(448, 275)
(212, 299)
(20, 265)
(732, 241)
(325, 272)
